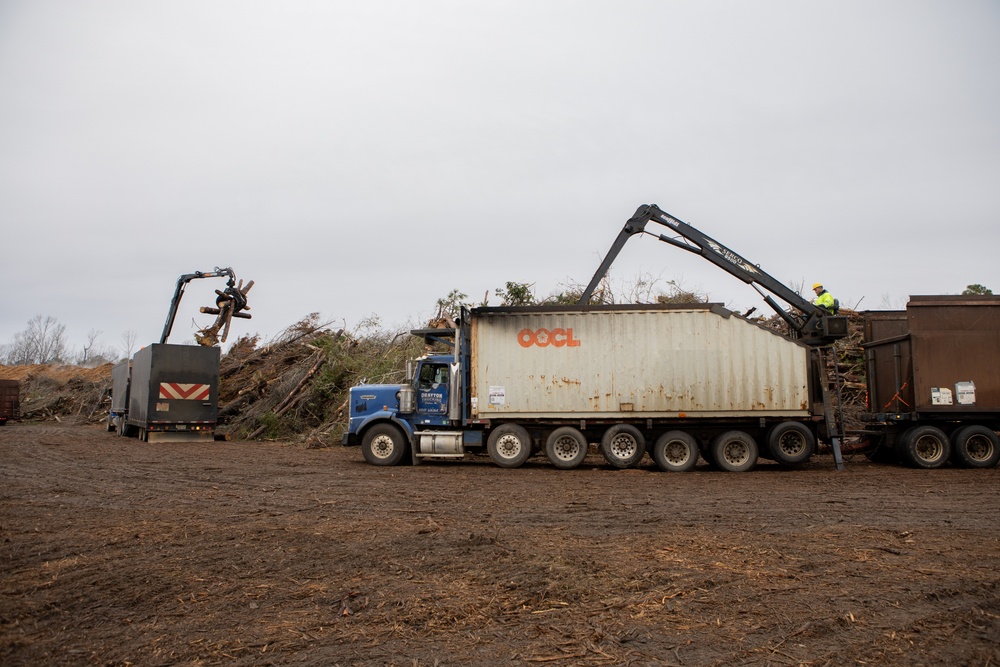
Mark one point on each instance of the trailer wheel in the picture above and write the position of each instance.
(791, 443)
(509, 445)
(383, 445)
(925, 447)
(975, 447)
(623, 446)
(675, 451)
(735, 451)
(566, 447)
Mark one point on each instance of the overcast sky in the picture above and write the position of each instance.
(359, 158)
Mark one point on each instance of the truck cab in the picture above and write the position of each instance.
(419, 418)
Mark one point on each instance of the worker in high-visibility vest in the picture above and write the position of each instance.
(824, 299)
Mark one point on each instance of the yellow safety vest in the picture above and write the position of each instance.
(824, 301)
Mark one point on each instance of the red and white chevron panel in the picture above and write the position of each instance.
(184, 392)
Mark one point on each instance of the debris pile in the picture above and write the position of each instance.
(297, 385)
(62, 393)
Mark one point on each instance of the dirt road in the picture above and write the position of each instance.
(116, 552)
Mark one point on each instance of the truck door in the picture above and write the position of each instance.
(432, 389)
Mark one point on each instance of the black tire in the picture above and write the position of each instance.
(975, 447)
(566, 447)
(623, 446)
(384, 445)
(791, 443)
(509, 445)
(924, 447)
(735, 451)
(675, 451)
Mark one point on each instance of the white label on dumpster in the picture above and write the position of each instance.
(498, 395)
(966, 393)
(163, 407)
(940, 396)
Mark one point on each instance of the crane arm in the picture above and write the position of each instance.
(811, 322)
(233, 292)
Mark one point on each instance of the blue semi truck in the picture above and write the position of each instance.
(674, 380)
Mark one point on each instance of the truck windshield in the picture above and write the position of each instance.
(432, 374)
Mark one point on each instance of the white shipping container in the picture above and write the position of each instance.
(633, 361)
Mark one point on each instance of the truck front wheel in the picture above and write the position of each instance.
(383, 445)
(734, 451)
(566, 447)
(509, 445)
(623, 446)
(975, 447)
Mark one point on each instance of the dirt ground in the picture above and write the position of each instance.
(116, 552)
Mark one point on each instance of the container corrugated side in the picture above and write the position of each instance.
(620, 363)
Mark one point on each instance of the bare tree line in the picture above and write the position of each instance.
(43, 341)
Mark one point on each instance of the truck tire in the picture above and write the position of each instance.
(383, 445)
(623, 446)
(924, 447)
(675, 451)
(975, 447)
(791, 443)
(566, 447)
(734, 451)
(509, 445)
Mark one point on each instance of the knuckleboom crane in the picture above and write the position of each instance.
(812, 324)
(229, 303)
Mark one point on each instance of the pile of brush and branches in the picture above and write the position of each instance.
(297, 385)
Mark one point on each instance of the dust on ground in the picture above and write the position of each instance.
(117, 552)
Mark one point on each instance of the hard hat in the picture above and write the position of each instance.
(817, 285)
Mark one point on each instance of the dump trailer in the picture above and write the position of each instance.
(10, 405)
(933, 374)
(674, 380)
(172, 393)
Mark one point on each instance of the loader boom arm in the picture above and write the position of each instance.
(813, 324)
(235, 294)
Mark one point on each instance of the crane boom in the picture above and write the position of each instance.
(812, 323)
(232, 302)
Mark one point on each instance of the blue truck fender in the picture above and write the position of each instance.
(379, 417)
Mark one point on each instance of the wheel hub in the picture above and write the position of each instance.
(979, 448)
(736, 453)
(676, 453)
(623, 446)
(566, 449)
(382, 446)
(509, 446)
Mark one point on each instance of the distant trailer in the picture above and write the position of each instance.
(10, 406)
(172, 393)
(933, 375)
